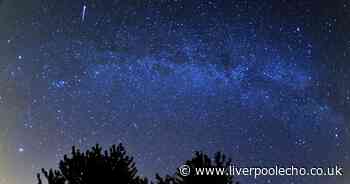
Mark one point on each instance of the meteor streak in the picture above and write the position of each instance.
(84, 13)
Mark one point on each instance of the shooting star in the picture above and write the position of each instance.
(83, 14)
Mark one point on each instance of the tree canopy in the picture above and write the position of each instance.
(96, 166)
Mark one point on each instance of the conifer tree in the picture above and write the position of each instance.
(200, 160)
(93, 167)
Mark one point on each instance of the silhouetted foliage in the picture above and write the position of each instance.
(114, 166)
(95, 167)
(200, 160)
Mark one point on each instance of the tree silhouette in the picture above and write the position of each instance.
(200, 160)
(93, 167)
(115, 166)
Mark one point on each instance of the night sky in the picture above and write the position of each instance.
(266, 82)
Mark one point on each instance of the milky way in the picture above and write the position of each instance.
(265, 82)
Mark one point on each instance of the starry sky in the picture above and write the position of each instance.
(266, 82)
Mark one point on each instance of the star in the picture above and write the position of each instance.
(20, 150)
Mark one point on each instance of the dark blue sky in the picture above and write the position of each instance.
(265, 82)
